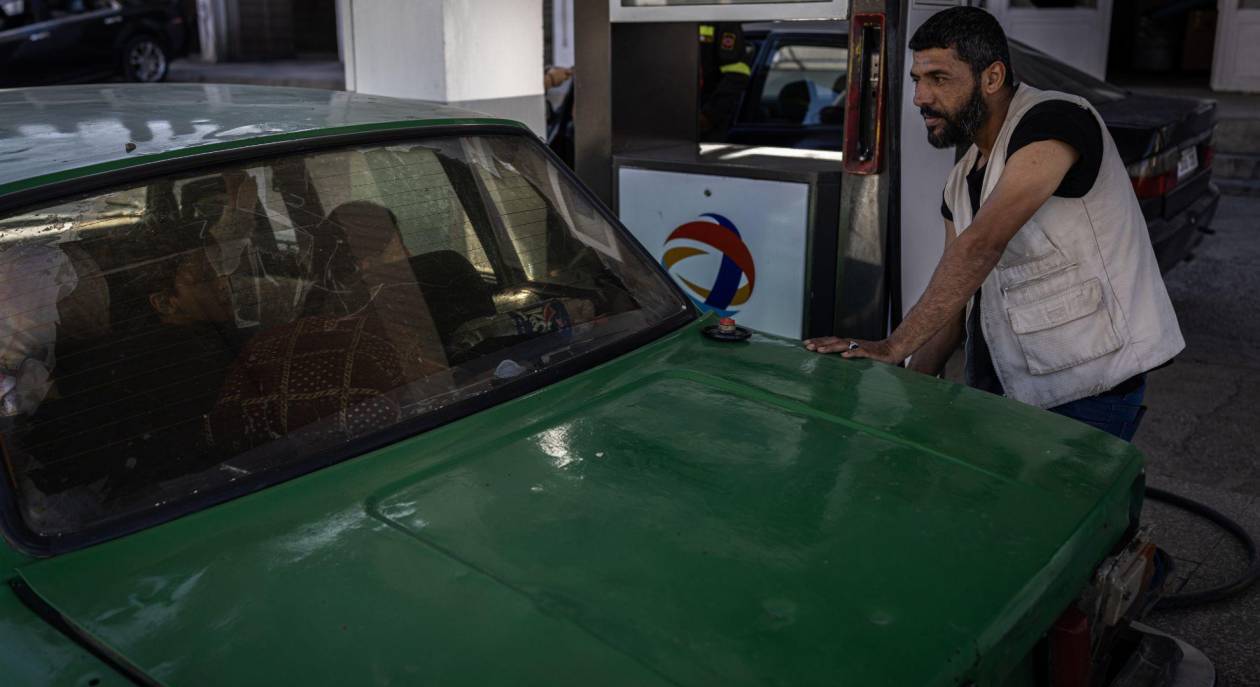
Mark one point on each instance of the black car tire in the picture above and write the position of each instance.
(145, 59)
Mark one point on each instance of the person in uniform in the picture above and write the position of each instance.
(723, 88)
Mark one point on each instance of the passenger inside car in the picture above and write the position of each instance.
(131, 403)
(361, 268)
(315, 381)
(33, 278)
(794, 101)
(833, 112)
(365, 347)
(187, 290)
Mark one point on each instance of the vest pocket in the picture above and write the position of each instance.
(1065, 330)
(1016, 276)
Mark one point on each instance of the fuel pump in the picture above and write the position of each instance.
(757, 233)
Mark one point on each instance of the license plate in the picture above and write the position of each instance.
(1188, 163)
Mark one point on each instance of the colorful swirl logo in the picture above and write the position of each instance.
(736, 276)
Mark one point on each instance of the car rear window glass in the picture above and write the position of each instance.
(170, 338)
(804, 84)
(1042, 71)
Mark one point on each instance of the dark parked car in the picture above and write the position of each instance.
(799, 74)
(53, 41)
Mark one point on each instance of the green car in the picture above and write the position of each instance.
(307, 387)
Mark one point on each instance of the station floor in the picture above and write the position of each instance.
(1200, 436)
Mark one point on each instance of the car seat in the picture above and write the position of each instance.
(453, 289)
(794, 101)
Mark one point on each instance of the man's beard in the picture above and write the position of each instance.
(961, 127)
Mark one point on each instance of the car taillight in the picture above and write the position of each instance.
(1155, 176)
(1206, 152)
(1070, 650)
(1155, 187)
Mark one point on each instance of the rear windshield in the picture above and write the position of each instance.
(167, 339)
(1042, 71)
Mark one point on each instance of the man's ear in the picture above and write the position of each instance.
(161, 303)
(993, 78)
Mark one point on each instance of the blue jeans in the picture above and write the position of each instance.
(1117, 414)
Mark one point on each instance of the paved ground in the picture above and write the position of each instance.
(1200, 436)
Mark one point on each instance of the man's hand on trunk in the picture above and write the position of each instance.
(882, 350)
(1028, 180)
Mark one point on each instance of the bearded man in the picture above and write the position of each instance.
(1048, 268)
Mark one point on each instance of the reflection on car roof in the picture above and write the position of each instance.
(51, 130)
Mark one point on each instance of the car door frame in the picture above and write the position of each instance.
(75, 52)
(104, 38)
(29, 49)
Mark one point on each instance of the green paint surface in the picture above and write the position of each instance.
(32, 653)
(691, 513)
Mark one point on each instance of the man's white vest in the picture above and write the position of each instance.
(1076, 305)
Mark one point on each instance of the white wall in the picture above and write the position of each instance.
(923, 172)
(1078, 36)
(485, 55)
(212, 29)
(494, 48)
(398, 48)
(1236, 63)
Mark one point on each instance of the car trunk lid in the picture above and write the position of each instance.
(1167, 145)
(691, 513)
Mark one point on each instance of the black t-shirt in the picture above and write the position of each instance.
(1057, 120)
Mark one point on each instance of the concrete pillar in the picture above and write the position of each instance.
(212, 29)
(592, 105)
(484, 55)
(562, 51)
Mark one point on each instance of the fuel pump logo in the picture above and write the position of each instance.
(732, 282)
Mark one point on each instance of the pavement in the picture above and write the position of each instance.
(1200, 435)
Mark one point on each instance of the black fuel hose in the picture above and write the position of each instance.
(1235, 586)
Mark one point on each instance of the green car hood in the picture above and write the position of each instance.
(690, 513)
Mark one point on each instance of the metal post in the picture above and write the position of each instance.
(212, 29)
(592, 104)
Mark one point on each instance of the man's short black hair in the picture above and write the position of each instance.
(974, 34)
